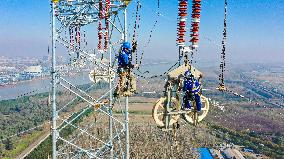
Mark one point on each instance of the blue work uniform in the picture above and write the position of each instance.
(124, 72)
(123, 61)
(192, 87)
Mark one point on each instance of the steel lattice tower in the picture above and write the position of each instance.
(93, 139)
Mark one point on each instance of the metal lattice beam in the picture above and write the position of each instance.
(90, 139)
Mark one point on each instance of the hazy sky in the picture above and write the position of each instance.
(255, 29)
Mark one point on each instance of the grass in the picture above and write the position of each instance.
(249, 140)
(135, 112)
(44, 149)
(21, 144)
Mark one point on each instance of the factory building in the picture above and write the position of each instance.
(230, 153)
(34, 70)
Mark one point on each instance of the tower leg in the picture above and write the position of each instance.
(126, 129)
(53, 74)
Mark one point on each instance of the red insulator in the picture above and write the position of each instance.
(106, 41)
(78, 34)
(197, 5)
(100, 35)
(181, 31)
(196, 16)
(107, 6)
(183, 3)
(181, 39)
(100, 28)
(196, 10)
(71, 33)
(182, 24)
(100, 9)
(194, 35)
(194, 40)
(194, 29)
(182, 13)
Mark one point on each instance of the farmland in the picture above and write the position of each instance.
(255, 121)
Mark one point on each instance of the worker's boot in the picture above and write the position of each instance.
(132, 80)
(116, 92)
(187, 104)
(119, 88)
(198, 102)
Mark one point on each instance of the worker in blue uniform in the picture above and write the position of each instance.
(124, 70)
(192, 91)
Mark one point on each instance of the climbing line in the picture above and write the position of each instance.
(150, 36)
(222, 86)
(33, 92)
(135, 32)
(161, 75)
(223, 53)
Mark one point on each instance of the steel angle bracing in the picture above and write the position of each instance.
(168, 109)
(101, 133)
(78, 12)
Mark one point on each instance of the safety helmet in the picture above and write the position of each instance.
(126, 45)
(187, 74)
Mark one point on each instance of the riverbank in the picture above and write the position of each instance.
(37, 85)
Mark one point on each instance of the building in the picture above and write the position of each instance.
(230, 153)
(248, 150)
(216, 154)
(34, 70)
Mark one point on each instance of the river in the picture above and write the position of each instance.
(43, 84)
(35, 86)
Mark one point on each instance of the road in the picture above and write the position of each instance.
(34, 145)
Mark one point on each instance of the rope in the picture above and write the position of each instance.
(112, 27)
(135, 34)
(234, 93)
(223, 58)
(161, 75)
(36, 91)
(223, 53)
(151, 32)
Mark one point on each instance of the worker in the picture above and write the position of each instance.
(192, 91)
(124, 71)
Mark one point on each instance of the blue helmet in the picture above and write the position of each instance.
(187, 74)
(126, 45)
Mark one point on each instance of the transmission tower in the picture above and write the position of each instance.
(106, 135)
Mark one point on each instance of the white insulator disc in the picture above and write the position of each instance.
(159, 115)
(98, 75)
(189, 117)
(112, 74)
(93, 77)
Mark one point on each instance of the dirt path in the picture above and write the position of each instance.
(37, 142)
(34, 145)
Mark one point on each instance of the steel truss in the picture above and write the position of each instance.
(105, 135)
